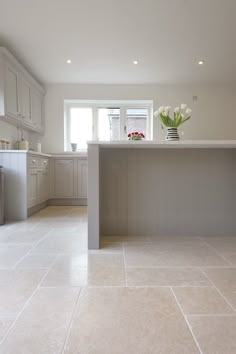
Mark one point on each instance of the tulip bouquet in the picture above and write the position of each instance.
(136, 136)
(181, 115)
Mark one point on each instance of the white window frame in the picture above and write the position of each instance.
(96, 104)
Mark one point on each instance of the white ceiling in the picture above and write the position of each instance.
(102, 37)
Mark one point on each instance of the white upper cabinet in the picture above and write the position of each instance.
(26, 98)
(21, 97)
(37, 108)
(12, 91)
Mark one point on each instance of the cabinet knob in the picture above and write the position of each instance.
(33, 161)
(44, 162)
(18, 114)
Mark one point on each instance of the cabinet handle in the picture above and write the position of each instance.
(23, 117)
(33, 161)
(19, 114)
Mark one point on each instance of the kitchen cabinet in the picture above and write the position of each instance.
(12, 91)
(21, 97)
(69, 179)
(64, 178)
(26, 183)
(26, 100)
(38, 180)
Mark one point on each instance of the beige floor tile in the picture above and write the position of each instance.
(11, 254)
(91, 270)
(67, 242)
(5, 324)
(34, 261)
(109, 247)
(43, 325)
(222, 244)
(225, 280)
(122, 239)
(16, 287)
(202, 301)
(231, 258)
(215, 335)
(184, 254)
(165, 277)
(23, 236)
(129, 320)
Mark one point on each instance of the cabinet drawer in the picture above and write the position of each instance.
(34, 161)
(44, 162)
(37, 162)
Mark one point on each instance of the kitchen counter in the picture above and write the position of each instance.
(166, 144)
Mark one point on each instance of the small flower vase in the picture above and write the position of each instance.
(172, 134)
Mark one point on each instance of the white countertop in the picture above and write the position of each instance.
(25, 152)
(64, 154)
(166, 144)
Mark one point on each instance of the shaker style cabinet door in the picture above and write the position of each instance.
(37, 109)
(33, 186)
(12, 91)
(26, 101)
(63, 178)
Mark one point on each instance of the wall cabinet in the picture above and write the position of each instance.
(21, 97)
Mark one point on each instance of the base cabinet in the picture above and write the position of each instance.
(38, 180)
(69, 178)
(64, 178)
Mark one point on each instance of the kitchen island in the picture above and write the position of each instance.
(150, 188)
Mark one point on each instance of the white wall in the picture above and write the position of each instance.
(9, 132)
(213, 113)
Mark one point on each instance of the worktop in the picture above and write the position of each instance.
(145, 144)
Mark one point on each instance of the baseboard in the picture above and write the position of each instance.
(36, 208)
(68, 202)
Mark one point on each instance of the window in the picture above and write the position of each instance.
(105, 121)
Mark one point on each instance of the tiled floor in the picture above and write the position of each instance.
(137, 295)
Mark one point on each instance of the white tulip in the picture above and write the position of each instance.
(183, 106)
(156, 113)
(188, 112)
(161, 109)
(168, 108)
(177, 109)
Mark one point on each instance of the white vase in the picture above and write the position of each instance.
(172, 134)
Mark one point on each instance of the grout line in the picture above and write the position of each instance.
(71, 323)
(186, 320)
(232, 307)
(26, 304)
(33, 246)
(216, 251)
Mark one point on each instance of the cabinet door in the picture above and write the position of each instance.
(63, 178)
(26, 100)
(37, 109)
(12, 91)
(82, 178)
(32, 187)
(43, 185)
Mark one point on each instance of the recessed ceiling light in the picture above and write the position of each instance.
(135, 62)
(68, 61)
(201, 62)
